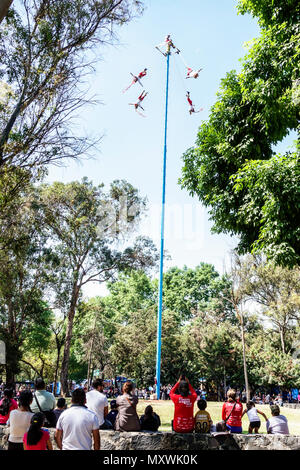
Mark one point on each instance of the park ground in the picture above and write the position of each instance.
(165, 409)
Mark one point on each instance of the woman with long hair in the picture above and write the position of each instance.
(127, 418)
(19, 421)
(150, 421)
(7, 404)
(37, 438)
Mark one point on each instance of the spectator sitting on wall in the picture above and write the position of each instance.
(233, 409)
(97, 402)
(184, 406)
(111, 417)
(150, 421)
(277, 424)
(203, 421)
(127, 418)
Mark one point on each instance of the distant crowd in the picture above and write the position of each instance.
(27, 419)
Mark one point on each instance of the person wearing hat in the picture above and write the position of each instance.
(277, 424)
(113, 412)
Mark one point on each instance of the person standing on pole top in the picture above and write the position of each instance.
(168, 43)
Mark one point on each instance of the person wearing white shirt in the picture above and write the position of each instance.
(254, 419)
(97, 402)
(77, 426)
(19, 421)
(278, 424)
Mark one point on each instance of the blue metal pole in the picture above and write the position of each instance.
(161, 269)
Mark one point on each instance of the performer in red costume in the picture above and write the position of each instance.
(192, 73)
(192, 108)
(138, 103)
(136, 78)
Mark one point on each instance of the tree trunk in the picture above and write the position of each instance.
(224, 383)
(58, 345)
(66, 357)
(282, 340)
(90, 355)
(13, 356)
(4, 6)
(244, 357)
(10, 376)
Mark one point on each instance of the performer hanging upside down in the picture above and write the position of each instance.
(192, 73)
(138, 104)
(192, 108)
(136, 78)
(168, 44)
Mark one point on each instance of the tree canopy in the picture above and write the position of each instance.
(250, 190)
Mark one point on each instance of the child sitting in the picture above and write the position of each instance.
(254, 420)
(203, 421)
(113, 412)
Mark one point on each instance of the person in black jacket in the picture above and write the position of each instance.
(150, 421)
(111, 416)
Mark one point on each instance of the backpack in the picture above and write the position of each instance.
(50, 417)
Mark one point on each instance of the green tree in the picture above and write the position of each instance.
(92, 338)
(24, 274)
(36, 346)
(233, 169)
(212, 353)
(134, 347)
(190, 291)
(276, 290)
(84, 225)
(131, 292)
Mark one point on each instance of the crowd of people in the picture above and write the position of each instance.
(78, 426)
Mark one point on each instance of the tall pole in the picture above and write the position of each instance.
(161, 268)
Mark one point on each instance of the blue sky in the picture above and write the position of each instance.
(211, 35)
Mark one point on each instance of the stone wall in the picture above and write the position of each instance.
(113, 440)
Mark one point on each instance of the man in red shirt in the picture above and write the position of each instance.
(184, 405)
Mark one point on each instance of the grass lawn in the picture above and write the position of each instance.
(165, 409)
